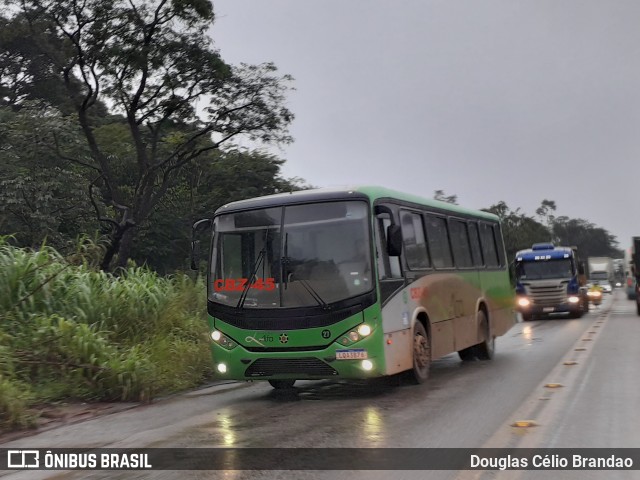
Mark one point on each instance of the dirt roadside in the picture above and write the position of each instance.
(50, 416)
(54, 415)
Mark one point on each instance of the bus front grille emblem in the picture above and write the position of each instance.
(284, 338)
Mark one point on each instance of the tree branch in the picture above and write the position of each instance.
(69, 159)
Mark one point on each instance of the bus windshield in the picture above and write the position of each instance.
(541, 270)
(292, 256)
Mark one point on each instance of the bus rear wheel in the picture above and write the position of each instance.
(282, 384)
(421, 354)
(486, 349)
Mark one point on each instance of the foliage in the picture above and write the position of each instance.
(40, 197)
(150, 62)
(39, 205)
(592, 241)
(74, 332)
(165, 239)
(14, 400)
(520, 231)
(546, 212)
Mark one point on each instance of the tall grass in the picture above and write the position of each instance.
(71, 331)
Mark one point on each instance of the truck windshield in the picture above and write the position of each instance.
(291, 256)
(539, 270)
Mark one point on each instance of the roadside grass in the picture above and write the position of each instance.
(71, 332)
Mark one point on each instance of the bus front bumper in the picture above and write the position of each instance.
(331, 362)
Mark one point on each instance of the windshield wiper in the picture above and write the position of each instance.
(284, 262)
(259, 260)
(314, 293)
(245, 291)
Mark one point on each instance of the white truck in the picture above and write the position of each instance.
(600, 268)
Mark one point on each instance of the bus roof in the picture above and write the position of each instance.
(345, 193)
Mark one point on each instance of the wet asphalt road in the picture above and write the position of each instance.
(462, 405)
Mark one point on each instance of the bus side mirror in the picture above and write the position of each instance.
(394, 240)
(195, 244)
(195, 254)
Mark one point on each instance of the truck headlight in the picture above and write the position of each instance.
(523, 302)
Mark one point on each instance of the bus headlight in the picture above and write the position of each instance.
(364, 330)
(221, 339)
(574, 300)
(367, 365)
(222, 368)
(361, 332)
(523, 302)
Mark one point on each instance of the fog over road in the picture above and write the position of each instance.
(462, 405)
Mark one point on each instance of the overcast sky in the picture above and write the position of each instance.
(488, 100)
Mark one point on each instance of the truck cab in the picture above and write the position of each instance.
(549, 279)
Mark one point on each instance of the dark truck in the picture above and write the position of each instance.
(635, 269)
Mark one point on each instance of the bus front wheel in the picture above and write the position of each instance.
(421, 354)
(282, 384)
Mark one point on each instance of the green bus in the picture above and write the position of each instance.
(352, 283)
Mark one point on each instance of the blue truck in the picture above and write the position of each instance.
(550, 279)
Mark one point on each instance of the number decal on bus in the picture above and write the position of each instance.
(239, 284)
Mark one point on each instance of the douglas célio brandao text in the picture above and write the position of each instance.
(550, 461)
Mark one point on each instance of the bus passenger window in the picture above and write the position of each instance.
(489, 250)
(460, 243)
(438, 239)
(415, 245)
(497, 234)
(474, 236)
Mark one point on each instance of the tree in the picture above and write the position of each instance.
(208, 184)
(518, 230)
(592, 241)
(546, 212)
(41, 198)
(440, 195)
(521, 231)
(150, 61)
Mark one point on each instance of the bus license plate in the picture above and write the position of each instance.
(354, 354)
(548, 309)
